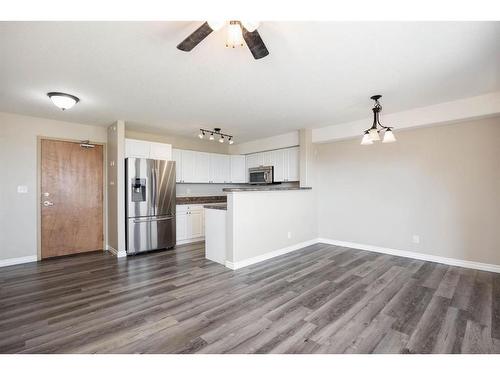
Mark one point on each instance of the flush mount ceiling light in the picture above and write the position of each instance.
(216, 132)
(237, 32)
(373, 134)
(62, 100)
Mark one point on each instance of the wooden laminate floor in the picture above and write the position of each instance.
(321, 299)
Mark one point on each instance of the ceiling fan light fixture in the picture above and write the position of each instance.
(63, 101)
(231, 140)
(221, 139)
(211, 137)
(234, 35)
(216, 25)
(251, 26)
(201, 135)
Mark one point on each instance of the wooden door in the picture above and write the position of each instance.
(72, 198)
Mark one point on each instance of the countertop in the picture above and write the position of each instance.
(216, 206)
(201, 199)
(265, 188)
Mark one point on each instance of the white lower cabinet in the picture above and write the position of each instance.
(190, 223)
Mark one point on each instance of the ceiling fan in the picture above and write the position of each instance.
(237, 31)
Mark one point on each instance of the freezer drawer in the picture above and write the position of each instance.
(150, 233)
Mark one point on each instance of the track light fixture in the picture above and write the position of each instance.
(216, 132)
(373, 134)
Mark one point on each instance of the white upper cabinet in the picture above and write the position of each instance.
(239, 173)
(278, 162)
(135, 148)
(160, 151)
(285, 162)
(292, 164)
(188, 166)
(177, 157)
(255, 160)
(220, 169)
(202, 167)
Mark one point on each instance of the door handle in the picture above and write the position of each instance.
(48, 203)
(152, 219)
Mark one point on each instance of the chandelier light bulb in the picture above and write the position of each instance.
(367, 140)
(216, 25)
(234, 35)
(201, 135)
(251, 26)
(231, 141)
(221, 140)
(374, 135)
(211, 137)
(389, 136)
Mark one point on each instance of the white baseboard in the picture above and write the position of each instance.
(272, 254)
(191, 240)
(414, 255)
(116, 253)
(14, 261)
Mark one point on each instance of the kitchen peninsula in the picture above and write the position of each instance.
(258, 223)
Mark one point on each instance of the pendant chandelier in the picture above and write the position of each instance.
(373, 134)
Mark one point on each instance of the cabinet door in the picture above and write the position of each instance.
(278, 159)
(136, 149)
(160, 151)
(220, 168)
(255, 160)
(267, 158)
(195, 224)
(238, 169)
(292, 162)
(181, 226)
(202, 167)
(188, 166)
(177, 157)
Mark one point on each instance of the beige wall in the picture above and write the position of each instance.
(116, 188)
(185, 143)
(441, 183)
(18, 166)
(265, 144)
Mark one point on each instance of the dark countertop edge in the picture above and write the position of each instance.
(219, 206)
(199, 199)
(233, 190)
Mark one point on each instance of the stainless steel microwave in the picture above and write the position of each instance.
(261, 175)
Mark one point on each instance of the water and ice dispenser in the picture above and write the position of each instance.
(138, 190)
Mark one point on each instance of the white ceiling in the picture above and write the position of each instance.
(317, 73)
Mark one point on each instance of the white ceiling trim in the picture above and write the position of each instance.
(448, 112)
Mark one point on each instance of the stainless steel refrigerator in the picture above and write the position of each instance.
(150, 209)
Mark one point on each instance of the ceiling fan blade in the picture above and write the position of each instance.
(255, 43)
(195, 38)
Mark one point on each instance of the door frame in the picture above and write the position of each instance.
(39, 189)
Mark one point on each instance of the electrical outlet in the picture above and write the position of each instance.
(22, 189)
(416, 239)
(289, 234)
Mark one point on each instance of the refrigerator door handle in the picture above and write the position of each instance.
(155, 187)
(147, 219)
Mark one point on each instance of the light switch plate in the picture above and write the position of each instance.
(22, 189)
